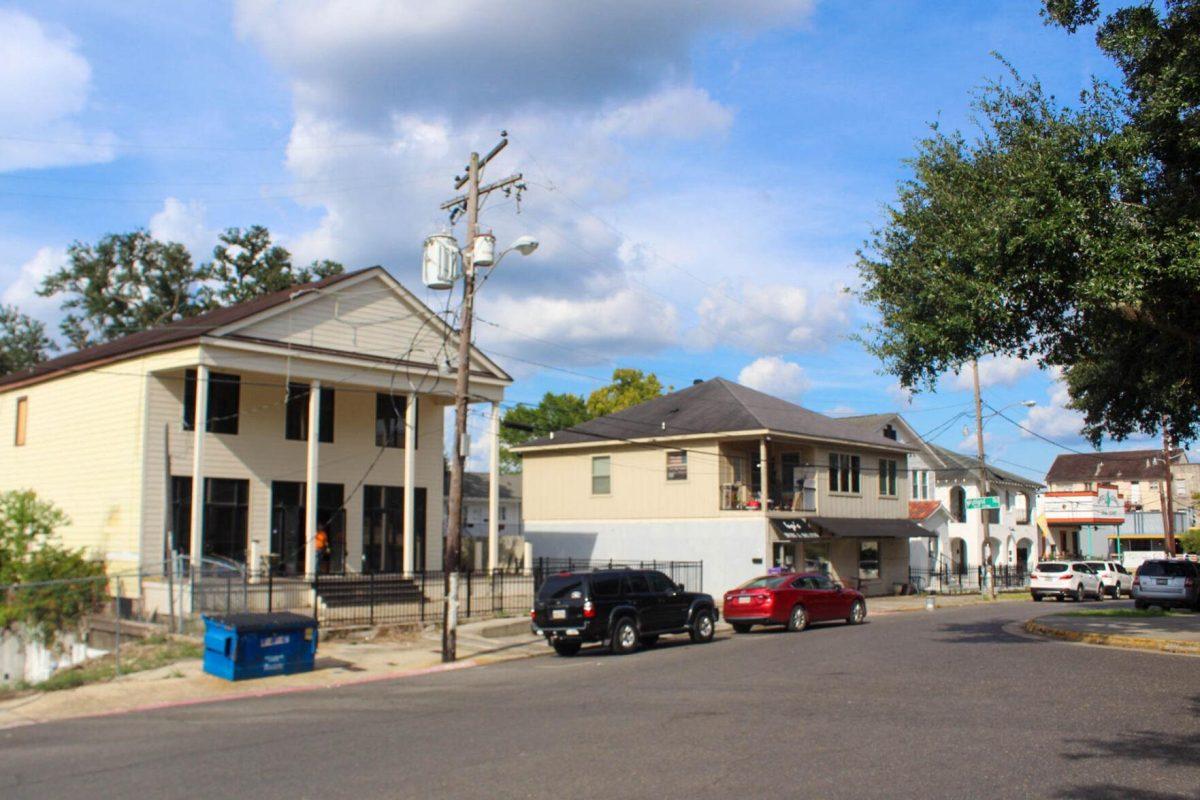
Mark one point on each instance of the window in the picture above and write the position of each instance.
(889, 432)
(636, 584)
(824, 583)
(661, 583)
(993, 514)
(958, 504)
(22, 421)
(608, 586)
(868, 559)
(296, 426)
(887, 477)
(504, 512)
(601, 475)
(844, 473)
(226, 513)
(1026, 509)
(389, 420)
(224, 396)
(677, 465)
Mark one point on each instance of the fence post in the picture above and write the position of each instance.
(469, 593)
(316, 585)
(270, 590)
(422, 608)
(171, 592)
(371, 601)
(493, 592)
(117, 628)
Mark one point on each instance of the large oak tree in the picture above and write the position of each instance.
(1067, 234)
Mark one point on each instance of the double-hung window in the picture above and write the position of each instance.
(390, 411)
(920, 484)
(677, 465)
(224, 396)
(601, 475)
(296, 426)
(887, 477)
(844, 473)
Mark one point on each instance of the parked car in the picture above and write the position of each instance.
(1063, 579)
(793, 600)
(1115, 580)
(620, 607)
(1167, 583)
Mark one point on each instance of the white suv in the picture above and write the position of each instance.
(1062, 579)
(1115, 580)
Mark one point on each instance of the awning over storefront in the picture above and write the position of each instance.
(847, 528)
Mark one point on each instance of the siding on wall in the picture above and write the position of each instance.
(261, 453)
(83, 440)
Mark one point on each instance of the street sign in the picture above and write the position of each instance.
(983, 502)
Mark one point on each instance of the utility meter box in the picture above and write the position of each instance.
(440, 264)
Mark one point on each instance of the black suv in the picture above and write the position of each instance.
(624, 607)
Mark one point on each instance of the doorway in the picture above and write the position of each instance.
(383, 529)
(288, 541)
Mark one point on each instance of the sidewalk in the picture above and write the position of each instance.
(339, 663)
(1175, 633)
(916, 602)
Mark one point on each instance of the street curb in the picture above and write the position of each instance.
(883, 612)
(1114, 639)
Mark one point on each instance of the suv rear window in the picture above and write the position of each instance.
(1099, 565)
(562, 587)
(1051, 567)
(1167, 569)
(606, 586)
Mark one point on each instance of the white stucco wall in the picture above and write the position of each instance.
(727, 547)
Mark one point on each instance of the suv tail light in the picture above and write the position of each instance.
(589, 610)
(1067, 576)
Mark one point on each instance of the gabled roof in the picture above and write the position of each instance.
(714, 406)
(191, 329)
(919, 510)
(967, 467)
(1124, 465)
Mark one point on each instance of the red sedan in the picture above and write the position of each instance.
(793, 600)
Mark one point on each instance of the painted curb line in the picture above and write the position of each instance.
(1114, 639)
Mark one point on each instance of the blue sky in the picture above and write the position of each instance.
(700, 174)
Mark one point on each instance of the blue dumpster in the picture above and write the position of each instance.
(238, 646)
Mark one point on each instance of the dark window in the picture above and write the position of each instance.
(1166, 569)
(383, 528)
(887, 477)
(636, 584)
(844, 473)
(226, 513)
(561, 587)
(661, 583)
(767, 582)
(608, 586)
(181, 514)
(389, 420)
(958, 504)
(868, 559)
(889, 432)
(224, 396)
(1052, 567)
(824, 582)
(297, 413)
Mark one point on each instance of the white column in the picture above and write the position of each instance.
(200, 423)
(410, 475)
(311, 477)
(493, 559)
(763, 472)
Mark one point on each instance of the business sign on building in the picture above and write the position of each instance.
(794, 529)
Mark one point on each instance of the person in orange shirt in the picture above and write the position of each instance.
(321, 543)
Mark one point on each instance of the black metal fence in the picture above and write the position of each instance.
(967, 579)
(393, 599)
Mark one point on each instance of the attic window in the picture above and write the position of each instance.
(890, 432)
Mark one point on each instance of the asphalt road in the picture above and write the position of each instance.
(948, 704)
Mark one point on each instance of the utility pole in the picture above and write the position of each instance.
(985, 488)
(1168, 504)
(450, 558)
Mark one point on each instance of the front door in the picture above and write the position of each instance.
(287, 528)
(383, 528)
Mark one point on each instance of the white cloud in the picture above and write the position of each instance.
(773, 375)
(45, 88)
(22, 292)
(1055, 419)
(770, 317)
(681, 112)
(184, 223)
(899, 393)
(994, 371)
(841, 411)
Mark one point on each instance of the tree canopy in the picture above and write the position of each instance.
(558, 412)
(246, 264)
(23, 341)
(1069, 235)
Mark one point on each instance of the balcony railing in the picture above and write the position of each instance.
(740, 497)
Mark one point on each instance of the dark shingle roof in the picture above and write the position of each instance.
(1126, 465)
(715, 406)
(174, 333)
(963, 466)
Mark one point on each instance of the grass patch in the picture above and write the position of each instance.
(136, 656)
(1121, 612)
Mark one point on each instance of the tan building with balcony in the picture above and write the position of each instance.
(728, 475)
(196, 437)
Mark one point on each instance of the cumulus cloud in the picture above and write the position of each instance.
(773, 375)
(994, 371)
(185, 223)
(681, 112)
(1055, 419)
(22, 292)
(45, 88)
(773, 317)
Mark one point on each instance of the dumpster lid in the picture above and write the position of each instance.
(250, 622)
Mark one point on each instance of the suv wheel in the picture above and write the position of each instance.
(702, 627)
(1079, 593)
(1099, 593)
(624, 637)
(1116, 591)
(566, 647)
(798, 620)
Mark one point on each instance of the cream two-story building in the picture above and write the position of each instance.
(728, 475)
(197, 437)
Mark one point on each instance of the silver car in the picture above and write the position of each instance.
(1167, 583)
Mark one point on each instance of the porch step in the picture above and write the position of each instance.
(355, 591)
